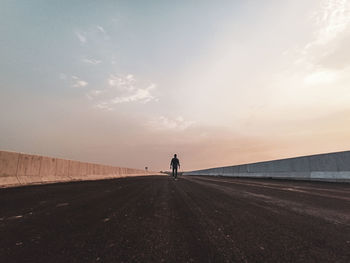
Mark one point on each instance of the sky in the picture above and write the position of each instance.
(130, 83)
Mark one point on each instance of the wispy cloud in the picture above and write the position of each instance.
(142, 95)
(324, 57)
(318, 79)
(321, 77)
(91, 61)
(94, 33)
(104, 106)
(92, 94)
(333, 18)
(98, 31)
(166, 123)
(101, 29)
(121, 89)
(81, 36)
(331, 22)
(122, 82)
(78, 83)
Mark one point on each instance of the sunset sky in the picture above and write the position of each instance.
(130, 83)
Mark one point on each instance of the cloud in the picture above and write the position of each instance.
(98, 31)
(331, 24)
(121, 89)
(141, 95)
(325, 57)
(93, 93)
(93, 34)
(165, 123)
(339, 57)
(101, 29)
(91, 61)
(333, 19)
(81, 37)
(104, 106)
(321, 77)
(78, 83)
(122, 82)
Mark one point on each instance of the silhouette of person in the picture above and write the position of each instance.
(174, 164)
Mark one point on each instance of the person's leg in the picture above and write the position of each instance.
(173, 172)
(176, 173)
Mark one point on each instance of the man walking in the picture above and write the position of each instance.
(175, 163)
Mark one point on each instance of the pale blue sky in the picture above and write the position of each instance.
(131, 82)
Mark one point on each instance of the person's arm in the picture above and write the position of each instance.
(179, 164)
(171, 163)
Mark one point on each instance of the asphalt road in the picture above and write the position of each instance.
(193, 219)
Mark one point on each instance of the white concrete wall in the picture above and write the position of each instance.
(23, 169)
(322, 167)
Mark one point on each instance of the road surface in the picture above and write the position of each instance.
(193, 219)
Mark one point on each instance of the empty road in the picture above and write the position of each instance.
(193, 219)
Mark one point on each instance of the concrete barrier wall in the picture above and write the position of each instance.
(322, 167)
(8, 168)
(23, 169)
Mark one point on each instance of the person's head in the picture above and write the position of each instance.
(175, 155)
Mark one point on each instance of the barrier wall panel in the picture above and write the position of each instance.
(326, 163)
(343, 161)
(216, 171)
(28, 171)
(83, 169)
(94, 169)
(101, 170)
(243, 168)
(227, 170)
(235, 169)
(300, 164)
(73, 171)
(260, 167)
(90, 168)
(8, 168)
(98, 170)
(282, 166)
(62, 169)
(48, 169)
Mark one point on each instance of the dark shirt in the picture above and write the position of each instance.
(175, 163)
